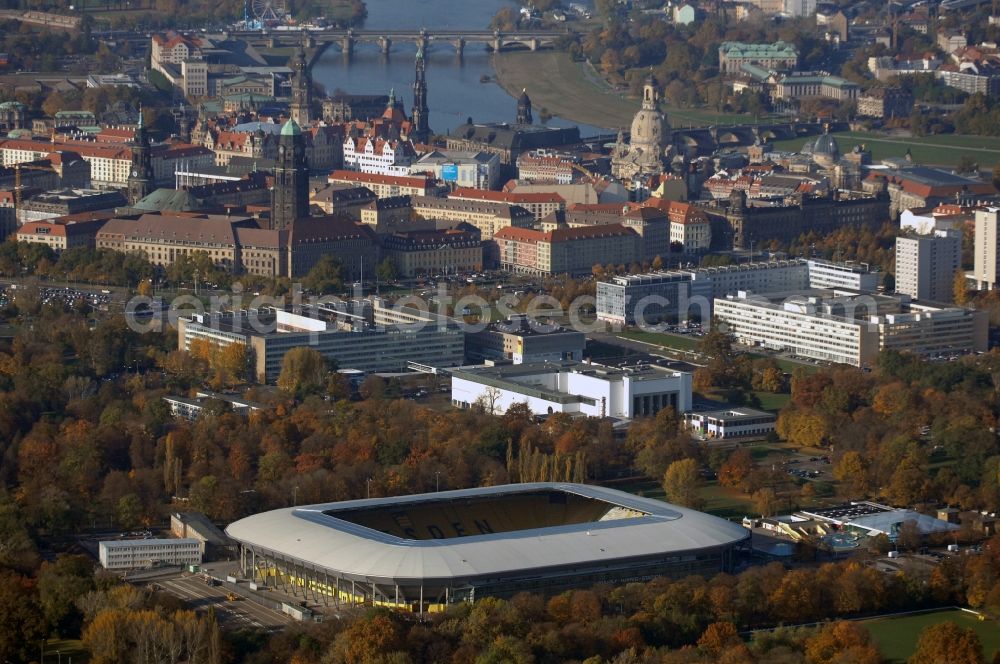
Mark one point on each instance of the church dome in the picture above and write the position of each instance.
(826, 152)
(649, 124)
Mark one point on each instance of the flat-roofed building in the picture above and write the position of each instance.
(739, 422)
(63, 202)
(191, 408)
(383, 341)
(926, 265)
(849, 327)
(461, 168)
(842, 274)
(144, 553)
(986, 270)
(673, 296)
(524, 341)
(579, 388)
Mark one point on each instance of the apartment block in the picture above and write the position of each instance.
(926, 265)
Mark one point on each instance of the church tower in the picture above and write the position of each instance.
(524, 108)
(290, 195)
(140, 179)
(301, 105)
(421, 131)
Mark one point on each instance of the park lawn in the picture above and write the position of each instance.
(675, 341)
(768, 400)
(726, 502)
(897, 637)
(942, 150)
(719, 500)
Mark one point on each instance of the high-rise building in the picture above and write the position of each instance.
(290, 196)
(421, 130)
(926, 265)
(301, 89)
(141, 180)
(524, 108)
(987, 258)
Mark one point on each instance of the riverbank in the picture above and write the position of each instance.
(556, 83)
(574, 91)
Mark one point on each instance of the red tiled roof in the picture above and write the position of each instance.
(373, 178)
(513, 197)
(562, 234)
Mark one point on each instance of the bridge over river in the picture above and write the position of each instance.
(347, 38)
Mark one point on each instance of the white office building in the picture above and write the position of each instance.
(987, 259)
(847, 274)
(849, 327)
(926, 265)
(731, 423)
(574, 388)
(681, 294)
(142, 553)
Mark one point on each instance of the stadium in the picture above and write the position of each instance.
(422, 552)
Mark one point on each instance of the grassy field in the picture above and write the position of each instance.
(897, 637)
(574, 91)
(943, 150)
(720, 501)
(556, 83)
(726, 502)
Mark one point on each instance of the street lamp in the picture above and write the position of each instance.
(437, 480)
(295, 496)
(368, 484)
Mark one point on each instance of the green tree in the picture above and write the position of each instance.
(60, 584)
(303, 371)
(682, 483)
(326, 276)
(386, 270)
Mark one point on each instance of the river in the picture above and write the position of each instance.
(454, 90)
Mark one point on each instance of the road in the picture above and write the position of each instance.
(243, 612)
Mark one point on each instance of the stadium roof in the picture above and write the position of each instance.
(312, 534)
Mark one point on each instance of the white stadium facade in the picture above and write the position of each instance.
(422, 552)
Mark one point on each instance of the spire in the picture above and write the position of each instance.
(141, 123)
(420, 51)
(392, 97)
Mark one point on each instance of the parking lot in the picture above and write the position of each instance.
(240, 612)
(809, 467)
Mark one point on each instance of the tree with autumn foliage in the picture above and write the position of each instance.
(947, 642)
